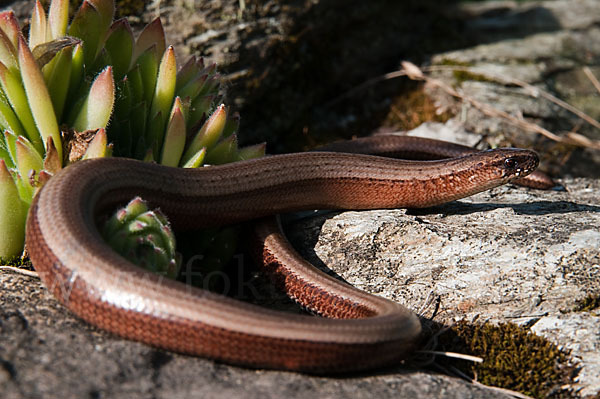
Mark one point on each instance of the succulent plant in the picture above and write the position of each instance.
(91, 89)
(144, 237)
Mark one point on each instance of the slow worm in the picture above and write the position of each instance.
(362, 331)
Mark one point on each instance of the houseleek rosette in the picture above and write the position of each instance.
(92, 89)
(143, 236)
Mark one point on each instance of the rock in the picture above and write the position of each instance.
(46, 352)
(548, 52)
(511, 254)
(507, 255)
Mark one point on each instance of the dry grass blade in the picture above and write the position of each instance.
(415, 73)
(25, 272)
(533, 91)
(487, 109)
(454, 355)
(592, 78)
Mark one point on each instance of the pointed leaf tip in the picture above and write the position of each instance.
(37, 29)
(98, 106)
(10, 25)
(254, 151)
(152, 35)
(97, 147)
(174, 142)
(12, 215)
(37, 95)
(224, 152)
(28, 160)
(165, 84)
(119, 45)
(58, 19)
(209, 134)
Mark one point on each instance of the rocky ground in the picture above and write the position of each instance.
(301, 73)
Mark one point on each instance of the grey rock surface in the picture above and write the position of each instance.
(45, 352)
(546, 44)
(507, 255)
(511, 254)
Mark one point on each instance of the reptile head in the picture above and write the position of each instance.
(514, 163)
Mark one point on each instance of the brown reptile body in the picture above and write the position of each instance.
(366, 331)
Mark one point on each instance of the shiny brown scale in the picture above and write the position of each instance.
(109, 292)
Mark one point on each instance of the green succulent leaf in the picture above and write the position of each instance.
(196, 160)
(37, 27)
(98, 147)
(38, 97)
(97, 108)
(119, 46)
(10, 26)
(10, 143)
(136, 85)
(198, 110)
(211, 86)
(88, 26)
(153, 35)
(15, 92)
(193, 88)
(155, 134)
(209, 134)
(5, 153)
(58, 82)
(8, 54)
(165, 85)
(77, 71)
(174, 142)
(138, 124)
(134, 208)
(188, 71)
(8, 119)
(29, 163)
(144, 237)
(106, 9)
(224, 152)
(232, 125)
(148, 67)
(251, 152)
(123, 99)
(12, 215)
(58, 19)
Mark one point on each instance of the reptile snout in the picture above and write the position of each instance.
(519, 163)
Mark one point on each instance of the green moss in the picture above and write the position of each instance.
(588, 303)
(449, 62)
(462, 76)
(514, 358)
(23, 263)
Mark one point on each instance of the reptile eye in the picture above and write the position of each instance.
(510, 163)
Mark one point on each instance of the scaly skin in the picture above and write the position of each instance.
(109, 292)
